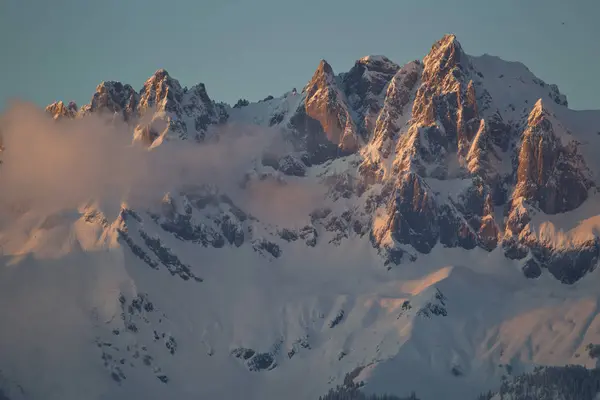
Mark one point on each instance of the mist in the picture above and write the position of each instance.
(52, 168)
(51, 165)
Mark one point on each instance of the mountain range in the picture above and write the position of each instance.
(428, 228)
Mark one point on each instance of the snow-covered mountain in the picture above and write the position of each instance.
(431, 227)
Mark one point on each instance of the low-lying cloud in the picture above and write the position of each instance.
(49, 165)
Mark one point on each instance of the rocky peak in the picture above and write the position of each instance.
(557, 96)
(447, 98)
(198, 94)
(162, 92)
(323, 76)
(538, 115)
(371, 68)
(59, 110)
(167, 107)
(446, 56)
(324, 68)
(551, 174)
(323, 123)
(552, 177)
(161, 74)
(197, 103)
(199, 108)
(403, 82)
(440, 141)
(375, 62)
(364, 86)
(392, 118)
(114, 97)
(446, 66)
(162, 96)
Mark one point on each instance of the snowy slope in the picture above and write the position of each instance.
(431, 259)
(495, 317)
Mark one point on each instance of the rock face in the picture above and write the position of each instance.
(323, 124)
(340, 113)
(443, 137)
(59, 110)
(200, 109)
(551, 178)
(364, 86)
(413, 216)
(162, 92)
(188, 113)
(391, 120)
(439, 152)
(447, 138)
(326, 104)
(114, 97)
(447, 95)
(550, 174)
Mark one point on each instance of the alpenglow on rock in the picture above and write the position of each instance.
(437, 218)
(413, 132)
(162, 108)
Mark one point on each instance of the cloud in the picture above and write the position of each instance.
(51, 165)
(286, 205)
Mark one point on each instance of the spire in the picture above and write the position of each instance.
(446, 54)
(324, 68)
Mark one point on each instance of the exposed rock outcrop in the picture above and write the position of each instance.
(162, 108)
(323, 124)
(59, 110)
(114, 98)
(364, 86)
(440, 149)
(551, 174)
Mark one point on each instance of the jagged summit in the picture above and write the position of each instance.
(324, 66)
(365, 87)
(438, 218)
(377, 64)
(448, 39)
(450, 117)
(167, 109)
(551, 173)
(446, 63)
(538, 112)
(448, 42)
(323, 75)
(58, 109)
(114, 97)
(160, 90)
(324, 119)
(199, 87)
(160, 74)
(376, 59)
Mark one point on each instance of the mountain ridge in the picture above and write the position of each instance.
(456, 207)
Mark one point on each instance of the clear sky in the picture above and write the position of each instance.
(61, 49)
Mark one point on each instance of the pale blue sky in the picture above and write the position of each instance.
(61, 49)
